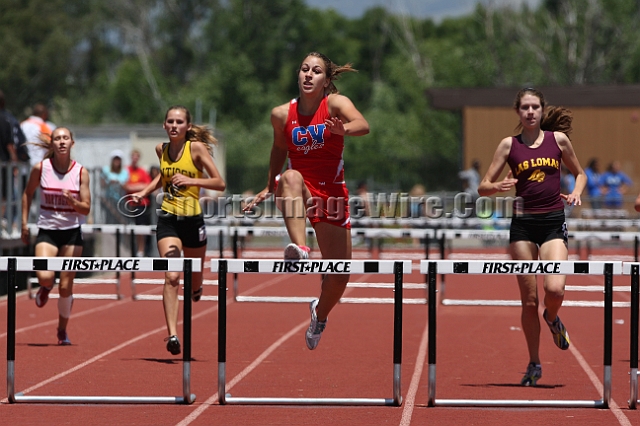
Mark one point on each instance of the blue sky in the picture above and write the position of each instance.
(435, 9)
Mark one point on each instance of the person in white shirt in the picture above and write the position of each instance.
(37, 129)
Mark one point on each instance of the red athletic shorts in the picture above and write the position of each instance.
(329, 203)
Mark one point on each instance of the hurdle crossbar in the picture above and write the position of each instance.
(633, 270)
(608, 269)
(265, 231)
(224, 267)
(13, 264)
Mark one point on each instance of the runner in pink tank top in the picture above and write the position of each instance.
(310, 130)
(65, 202)
(539, 230)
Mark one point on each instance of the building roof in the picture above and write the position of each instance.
(570, 96)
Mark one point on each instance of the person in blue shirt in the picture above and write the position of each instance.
(593, 183)
(114, 176)
(614, 184)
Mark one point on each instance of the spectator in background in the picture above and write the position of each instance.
(614, 184)
(361, 207)
(114, 176)
(417, 193)
(593, 183)
(36, 130)
(567, 180)
(567, 184)
(141, 213)
(471, 179)
(7, 153)
(637, 204)
(19, 140)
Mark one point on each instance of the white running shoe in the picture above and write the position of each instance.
(296, 252)
(314, 332)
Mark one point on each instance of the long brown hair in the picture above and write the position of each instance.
(197, 133)
(554, 118)
(332, 70)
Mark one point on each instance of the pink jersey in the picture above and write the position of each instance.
(55, 211)
(313, 150)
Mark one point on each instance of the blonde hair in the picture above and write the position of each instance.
(197, 133)
(332, 70)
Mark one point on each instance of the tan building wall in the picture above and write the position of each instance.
(611, 133)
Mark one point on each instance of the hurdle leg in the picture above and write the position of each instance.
(222, 331)
(608, 332)
(186, 335)
(397, 335)
(433, 270)
(633, 356)
(11, 329)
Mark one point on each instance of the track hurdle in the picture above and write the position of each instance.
(632, 269)
(12, 265)
(371, 233)
(224, 267)
(118, 230)
(150, 230)
(608, 269)
(257, 231)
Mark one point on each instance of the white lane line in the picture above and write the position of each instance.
(106, 353)
(75, 315)
(409, 403)
(613, 406)
(135, 339)
(214, 398)
(244, 373)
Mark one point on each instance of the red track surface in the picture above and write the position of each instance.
(118, 349)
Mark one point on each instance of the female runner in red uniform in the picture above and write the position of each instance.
(310, 130)
(539, 230)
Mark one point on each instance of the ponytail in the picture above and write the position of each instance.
(202, 134)
(557, 119)
(332, 70)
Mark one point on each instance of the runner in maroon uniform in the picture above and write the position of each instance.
(538, 230)
(310, 130)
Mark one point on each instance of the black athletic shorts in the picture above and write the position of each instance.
(190, 229)
(59, 238)
(539, 228)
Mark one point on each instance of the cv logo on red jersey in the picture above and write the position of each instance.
(308, 138)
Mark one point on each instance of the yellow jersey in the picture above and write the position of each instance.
(183, 200)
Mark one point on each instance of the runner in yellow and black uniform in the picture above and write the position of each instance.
(180, 223)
